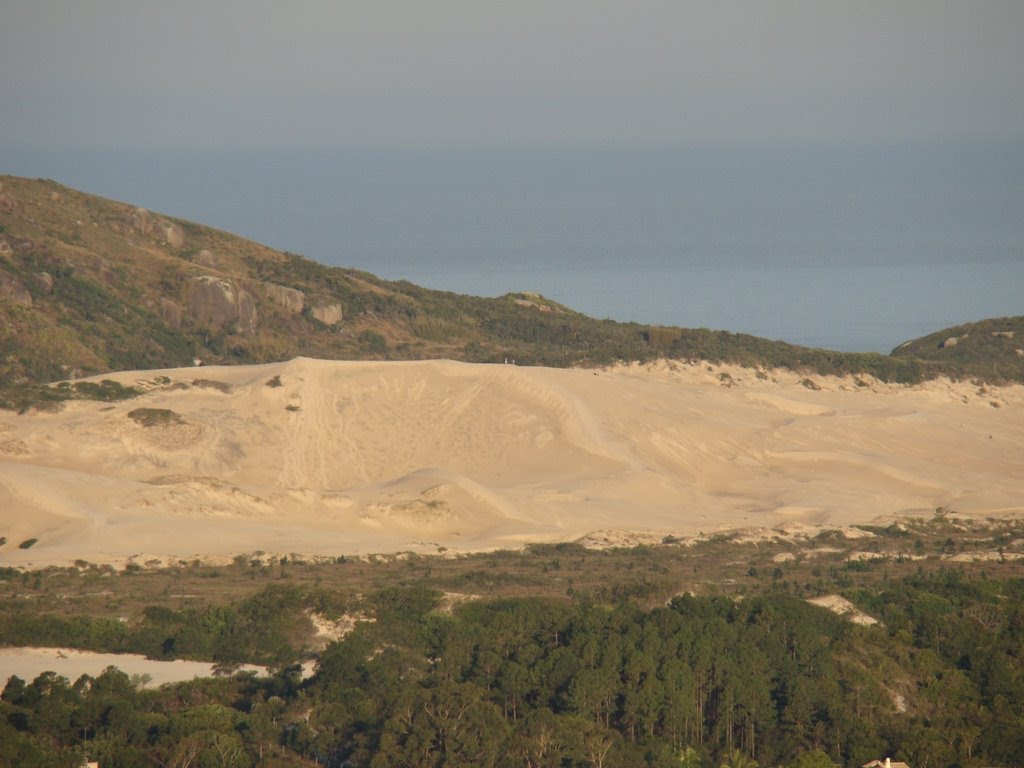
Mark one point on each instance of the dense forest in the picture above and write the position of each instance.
(700, 681)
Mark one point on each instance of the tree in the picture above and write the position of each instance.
(737, 759)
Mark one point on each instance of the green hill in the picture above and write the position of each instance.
(991, 350)
(89, 285)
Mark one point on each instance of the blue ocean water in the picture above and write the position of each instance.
(850, 248)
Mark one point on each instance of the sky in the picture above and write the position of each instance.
(340, 75)
(485, 146)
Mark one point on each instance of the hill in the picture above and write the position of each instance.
(89, 285)
(991, 350)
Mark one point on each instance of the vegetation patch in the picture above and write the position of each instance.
(660, 336)
(220, 386)
(27, 543)
(43, 397)
(155, 417)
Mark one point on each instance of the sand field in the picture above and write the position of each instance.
(326, 458)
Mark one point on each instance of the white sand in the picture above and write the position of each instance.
(29, 663)
(360, 457)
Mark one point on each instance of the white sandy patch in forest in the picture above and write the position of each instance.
(843, 607)
(29, 663)
(349, 458)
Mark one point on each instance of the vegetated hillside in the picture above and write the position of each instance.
(992, 349)
(89, 285)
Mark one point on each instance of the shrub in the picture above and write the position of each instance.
(27, 543)
(372, 341)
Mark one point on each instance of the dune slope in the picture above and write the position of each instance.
(329, 458)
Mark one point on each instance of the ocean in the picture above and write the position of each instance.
(853, 248)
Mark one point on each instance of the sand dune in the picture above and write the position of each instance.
(329, 458)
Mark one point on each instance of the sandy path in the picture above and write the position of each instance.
(355, 457)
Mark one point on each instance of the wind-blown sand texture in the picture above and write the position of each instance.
(362, 457)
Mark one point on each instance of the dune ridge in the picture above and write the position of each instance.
(326, 458)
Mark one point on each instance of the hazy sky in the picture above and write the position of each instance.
(333, 74)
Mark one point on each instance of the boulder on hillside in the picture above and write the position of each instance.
(173, 234)
(216, 303)
(141, 221)
(328, 314)
(7, 204)
(206, 259)
(14, 291)
(291, 299)
(5, 248)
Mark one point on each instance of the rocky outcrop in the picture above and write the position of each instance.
(216, 303)
(952, 341)
(5, 248)
(170, 313)
(291, 299)
(246, 313)
(174, 235)
(7, 204)
(206, 259)
(328, 314)
(104, 271)
(45, 281)
(142, 221)
(12, 290)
